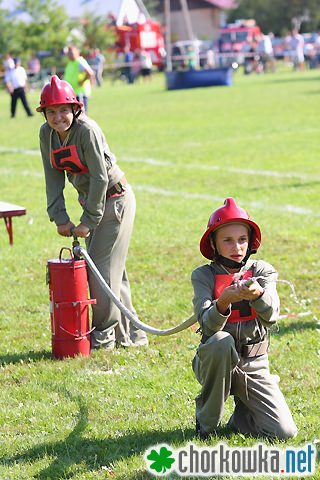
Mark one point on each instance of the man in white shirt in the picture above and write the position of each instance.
(265, 50)
(16, 81)
(297, 49)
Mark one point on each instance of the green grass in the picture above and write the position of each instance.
(183, 152)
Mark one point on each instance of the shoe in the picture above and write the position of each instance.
(200, 433)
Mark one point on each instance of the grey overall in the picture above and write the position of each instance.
(225, 365)
(108, 247)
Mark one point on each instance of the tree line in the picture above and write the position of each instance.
(279, 16)
(46, 30)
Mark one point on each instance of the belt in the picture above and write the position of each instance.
(255, 350)
(248, 351)
(117, 188)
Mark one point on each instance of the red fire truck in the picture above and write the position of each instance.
(143, 36)
(235, 38)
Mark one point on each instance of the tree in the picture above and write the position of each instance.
(96, 33)
(279, 16)
(153, 6)
(48, 29)
(11, 37)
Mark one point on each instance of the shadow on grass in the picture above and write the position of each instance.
(286, 186)
(292, 79)
(24, 357)
(286, 327)
(76, 452)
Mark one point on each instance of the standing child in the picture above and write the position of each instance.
(80, 75)
(73, 146)
(234, 317)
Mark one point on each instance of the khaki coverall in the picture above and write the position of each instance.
(92, 169)
(222, 365)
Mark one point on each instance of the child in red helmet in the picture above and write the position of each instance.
(73, 146)
(236, 302)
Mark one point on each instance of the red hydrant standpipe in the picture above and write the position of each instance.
(69, 306)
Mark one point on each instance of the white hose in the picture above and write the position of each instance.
(136, 322)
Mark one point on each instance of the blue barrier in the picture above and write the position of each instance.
(199, 78)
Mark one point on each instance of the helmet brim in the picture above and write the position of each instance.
(41, 109)
(205, 246)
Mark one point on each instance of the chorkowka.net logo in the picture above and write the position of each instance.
(255, 461)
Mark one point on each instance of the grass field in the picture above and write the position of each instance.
(184, 152)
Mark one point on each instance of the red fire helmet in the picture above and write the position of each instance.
(229, 213)
(57, 92)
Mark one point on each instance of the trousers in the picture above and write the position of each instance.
(260, 407)
(19, 93)
(108, 246)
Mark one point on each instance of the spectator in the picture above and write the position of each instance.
(16, 82)
(111, 19)
(210, 58)
(80, 75)
(317, 49)
(98, 66)
(34, 68)
(296, 48)
(251, 62)
(8, 63)
(265, 51)
(128, 59)
(119, 68)
(190, 60)
(136, 65)
(146, 64)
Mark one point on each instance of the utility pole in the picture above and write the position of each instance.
(167, 14)
(187, 19)
(190, 32)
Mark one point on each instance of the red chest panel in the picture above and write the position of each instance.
(240, 311)
(66, 158)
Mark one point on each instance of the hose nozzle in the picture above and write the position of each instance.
(249, 281)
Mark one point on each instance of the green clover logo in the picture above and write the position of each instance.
(161, 461)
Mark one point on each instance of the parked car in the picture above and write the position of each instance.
(181, 52)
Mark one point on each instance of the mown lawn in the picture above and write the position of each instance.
(184, 152)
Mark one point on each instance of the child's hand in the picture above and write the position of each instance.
(65, 229)
(81, 231)
(229, 295)
(253, 292)
(236, 293)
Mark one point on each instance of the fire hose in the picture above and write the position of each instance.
(81, 252)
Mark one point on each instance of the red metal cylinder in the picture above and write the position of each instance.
(69, 306)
